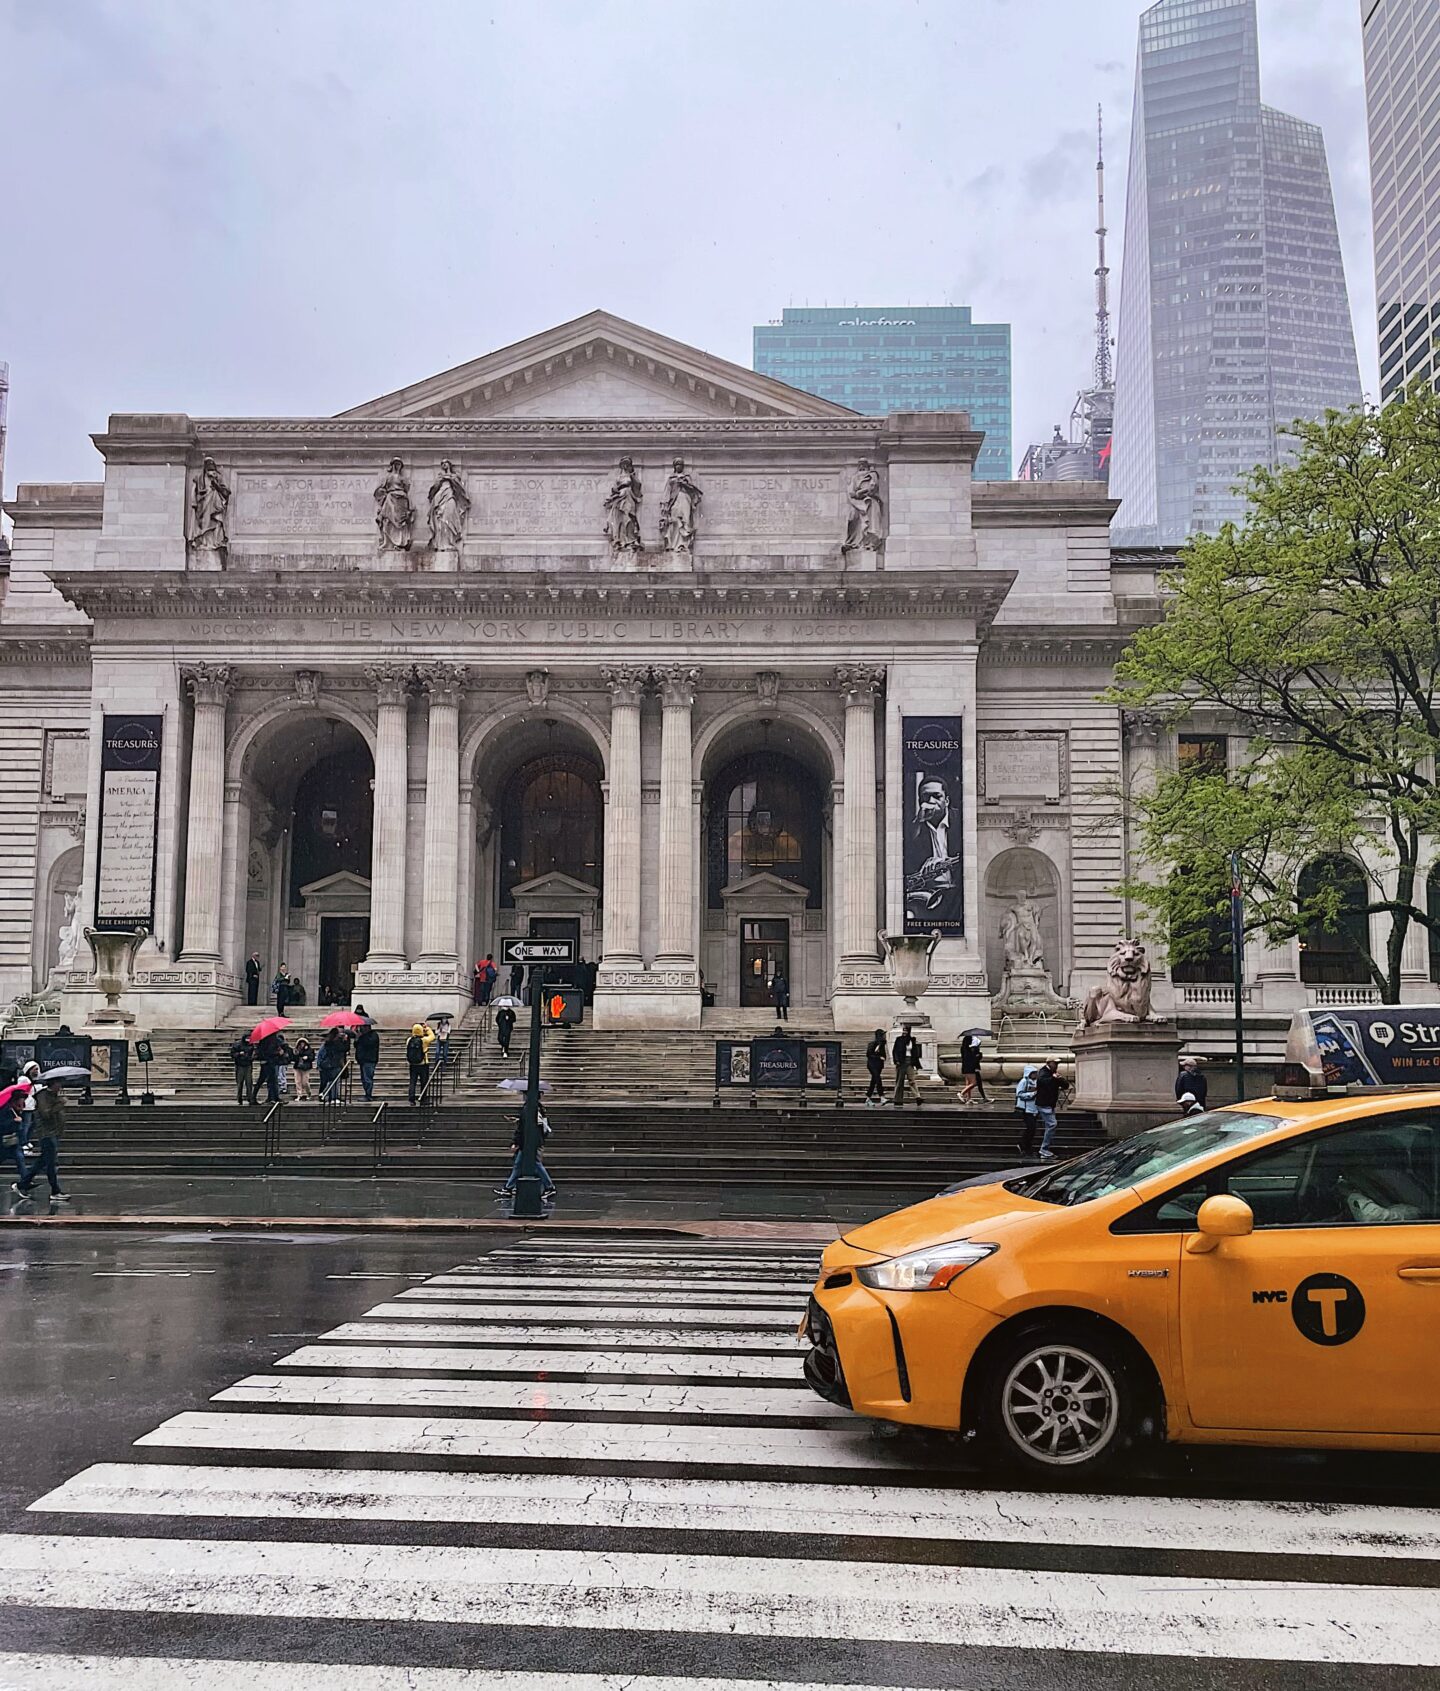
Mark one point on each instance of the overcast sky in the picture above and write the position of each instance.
(290, 206)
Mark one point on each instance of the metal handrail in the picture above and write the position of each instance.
(335, 1097)
(432, 1094)
(271, 1152)
(378, 1124)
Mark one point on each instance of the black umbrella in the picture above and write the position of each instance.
(977, 1033)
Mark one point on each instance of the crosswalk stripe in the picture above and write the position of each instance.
(853, 1446)
(688, 1285)
(680, 1296)
(776, 1341)
(1078, 1520)
(728, 1365)
(1118, 1614)
(187, 1673)
(619, 1310)
(540, 1396)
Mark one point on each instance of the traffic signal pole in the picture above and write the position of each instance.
(527, 1203)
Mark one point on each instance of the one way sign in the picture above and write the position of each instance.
(537, 951)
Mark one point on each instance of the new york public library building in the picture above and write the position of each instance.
(596, 635)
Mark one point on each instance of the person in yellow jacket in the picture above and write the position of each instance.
(417, 1058)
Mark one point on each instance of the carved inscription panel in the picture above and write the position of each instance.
(1023, 766)
(318, 505)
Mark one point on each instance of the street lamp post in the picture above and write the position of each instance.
(1237, 972)
(527, 1186)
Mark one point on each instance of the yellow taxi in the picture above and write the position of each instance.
(1266, 1273)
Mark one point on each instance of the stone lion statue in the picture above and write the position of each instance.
(1125, 996)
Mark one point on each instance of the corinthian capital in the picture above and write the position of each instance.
(859, 682)
(389, 681)
(445, 683)
(209, 683)
(626, 683)
(676, 684)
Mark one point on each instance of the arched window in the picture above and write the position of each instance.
(551, 822)
(1333, 951)
(766, 815)
(1202, 952)
(334, 815)
(1432, 905)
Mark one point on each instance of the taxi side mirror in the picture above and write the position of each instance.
(1220, 1217)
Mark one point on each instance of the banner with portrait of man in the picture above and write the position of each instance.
(933, 832)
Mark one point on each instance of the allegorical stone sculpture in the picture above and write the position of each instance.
(866, 526)
(1020, 935)
(622, 511)
(394, 514)
(210, 510)
(449, 507)
(70, 931)
(1125, 994)
(680, 510)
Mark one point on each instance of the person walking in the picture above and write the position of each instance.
(904, 1053)
(330, 1063)
(780, 995)
(504, 1028)
(48, 1126)
(31, 1072)
(281, 987)
(875, 1063)
(547, 1185)
(267, 1074)
(303, 1053)
(417, 1060)
(970, 1068)
(1047, 1097)
(442, 1040)
(367, 1055)
(486, 974)
(242, 1055)
(1191, 1081)
(252, 978)
(12, 1129)
(1025, 1109)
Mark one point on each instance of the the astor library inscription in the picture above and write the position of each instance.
(338, 504)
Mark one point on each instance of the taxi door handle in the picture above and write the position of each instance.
(1426, 1271)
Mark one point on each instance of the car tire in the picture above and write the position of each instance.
(1060, 1404)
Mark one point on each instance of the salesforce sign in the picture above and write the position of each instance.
(876, 323)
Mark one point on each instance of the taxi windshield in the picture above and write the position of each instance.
(1157, 1151)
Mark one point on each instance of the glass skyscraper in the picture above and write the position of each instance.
(1402, 92)
(1234, 319)
(884, 358)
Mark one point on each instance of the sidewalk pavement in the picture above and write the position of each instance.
(308, 1201)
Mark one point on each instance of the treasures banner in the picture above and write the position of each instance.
(932, 765)
(129, 818)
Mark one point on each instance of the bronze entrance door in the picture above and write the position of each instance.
(764, 953)
(344, 942)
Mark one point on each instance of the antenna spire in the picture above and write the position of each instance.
(1103, 373)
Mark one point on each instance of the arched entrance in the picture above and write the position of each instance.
(765, 866)
(540, 838)
(307, 792)
(1021, 869)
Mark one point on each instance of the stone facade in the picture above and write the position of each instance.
(520, 643)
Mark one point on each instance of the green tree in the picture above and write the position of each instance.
(1313, 634)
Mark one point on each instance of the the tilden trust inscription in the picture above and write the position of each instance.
(1018, 767)
(129, 814)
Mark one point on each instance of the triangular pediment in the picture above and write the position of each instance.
(343, 884)
(554, 884)
(763, 885)
(597, 366)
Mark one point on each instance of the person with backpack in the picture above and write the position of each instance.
(242, 1055)
(367, 1055)
(504, 1028)
(330, 1062)
(1025, 1109)
(48, 1126)
(269, 1052)
(547, 1185)
(875, 1063)
(486, 974)
(417, 1059)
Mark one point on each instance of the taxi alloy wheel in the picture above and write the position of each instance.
(1062, 1403)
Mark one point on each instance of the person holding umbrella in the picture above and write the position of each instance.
(504, 1026)
(367, 1053)
(330, 1062)
(12, 1127)
(970, 1065)
(48, 1127)
(270, 1049)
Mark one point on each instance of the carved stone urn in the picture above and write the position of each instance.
(113, 952)
(909, 958)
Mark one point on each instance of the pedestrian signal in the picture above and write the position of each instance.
(565, 1008)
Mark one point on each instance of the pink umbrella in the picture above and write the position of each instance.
(20, 1086)
(270, 1024)
(344, 1019)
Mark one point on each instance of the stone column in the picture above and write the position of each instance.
(387, 853)
(677, 889)
(445, 685)
(859, 683)
(622, 817)
(1144, 745)
(209, 685)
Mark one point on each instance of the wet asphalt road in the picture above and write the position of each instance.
(105, 1336)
